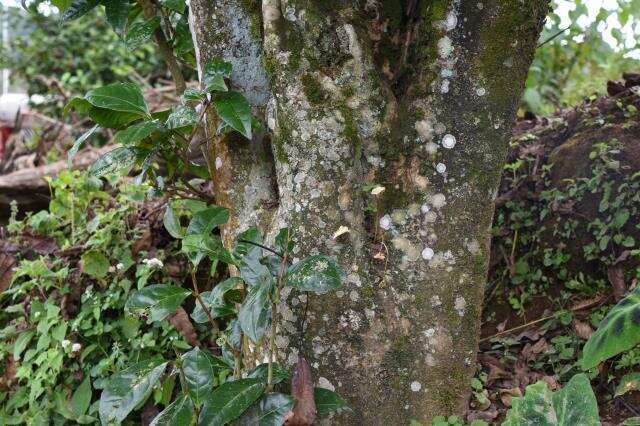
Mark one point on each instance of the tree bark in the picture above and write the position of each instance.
(417, 97)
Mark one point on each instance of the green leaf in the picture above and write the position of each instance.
(328, 401)
(261, 372)
(128, 389)
(117, 14)
(160, 299)
(628, 382)
(271, 410)
(617, 332)
(182, 116)
(234, 110)
(95, 263)
(252, 270)
(215, 302)
(255, 313)
(200, 372)
(21, 343)
(575, 404)
(171, 223)
(177, 6)
(214, 74)
(141, 32)
(199, 245)
(137, 132)
(78, 8)
(192, 94)
(179, 413)
(317, 273)
(114, 161)
(82, 139)
(205, 220)
(230, 400)
(81, 398)
(123, 97)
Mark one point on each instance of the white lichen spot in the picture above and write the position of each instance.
(435, 301)
(445, 47)
(448, 141)
(438, 201)
(480, 6)
(324, 383)
(451, 21)
(354, 296)
(218, 163)
(385, 222)
(481, 91)
(473, 246)
(416, 386)
(341, 230)
(430, 217)
(424, 129)
(460, 305)
(444, 86)
(427, 253)
(441, 168)
(508, 62)
(404, 245)
(377, 190)
(431, 148)
(424, 208)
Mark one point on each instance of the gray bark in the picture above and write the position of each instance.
(417, 97)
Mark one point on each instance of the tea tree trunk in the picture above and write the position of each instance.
(416, 97)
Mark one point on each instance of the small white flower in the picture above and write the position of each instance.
(153, 262)
(65, 343)
(448, 141)
(441, 168)
(76, 347)
(379, 189)
(120, 266)
(112, 269)
(416, 386)
(427, 253)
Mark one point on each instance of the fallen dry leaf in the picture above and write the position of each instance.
(304, 412)
(180, 320)
(582, 329)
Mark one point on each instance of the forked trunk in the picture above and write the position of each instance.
(414, 96)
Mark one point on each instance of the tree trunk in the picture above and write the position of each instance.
(415, 96)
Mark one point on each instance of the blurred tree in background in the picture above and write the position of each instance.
(576, 57)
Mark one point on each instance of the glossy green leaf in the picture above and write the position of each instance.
(171, 223)
(628, 383)
(215, 302)
(182, 116)
(205, 220)
(81, 398)
(179, 413)
(140, 32)
(318, 273)
(137, 132)
(215, 72)
(78, 8)
(161, 300)
(230, 400)
(128, 389)
(200, 371)
(234, 110)
(574, 404)
(115, 161)
(81, 140)
(95, 263)
(117, 14)
(252, 270)
(328, 401)
(255, 313)
(617, 332)
(199, 245)
(271, 410)
(280, 374)
(123, 97)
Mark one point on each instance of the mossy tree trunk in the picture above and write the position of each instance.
(416, 96)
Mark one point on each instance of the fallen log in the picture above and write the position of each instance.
(28, 186)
